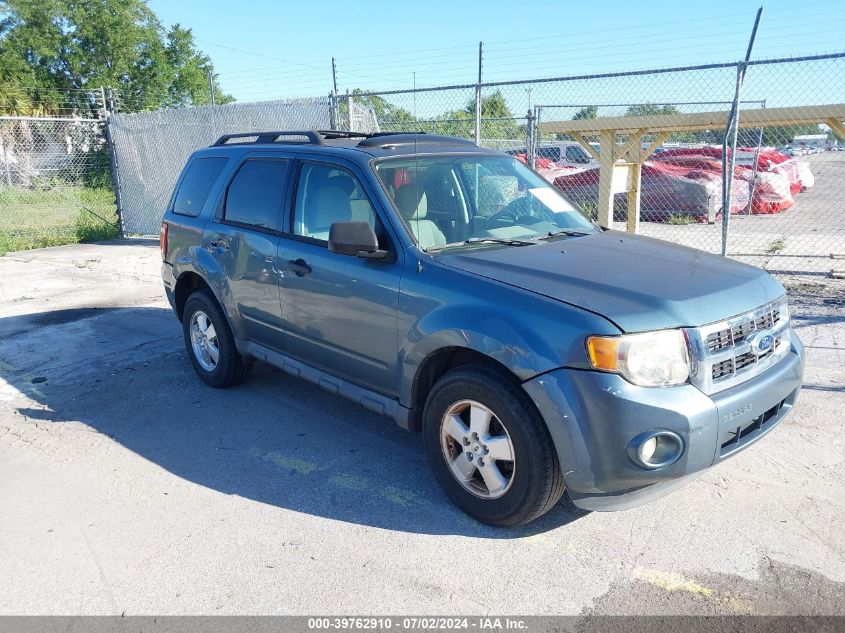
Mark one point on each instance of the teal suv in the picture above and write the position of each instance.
(451, 288)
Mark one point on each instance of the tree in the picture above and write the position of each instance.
(590, 112)
(648, 109)
(60, 52)
(389, 116)
(497, 120)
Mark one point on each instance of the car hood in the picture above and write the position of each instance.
(638, 283)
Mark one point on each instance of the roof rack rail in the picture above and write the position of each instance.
(401, 139)
(335, 134)
(314, 137)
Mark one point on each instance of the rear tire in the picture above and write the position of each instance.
(489, 448)
(210, 344)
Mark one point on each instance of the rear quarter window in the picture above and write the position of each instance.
(196, 185)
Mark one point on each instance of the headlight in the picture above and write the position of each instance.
(651, 359)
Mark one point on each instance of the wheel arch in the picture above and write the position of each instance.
(439, 362)
(187, 283)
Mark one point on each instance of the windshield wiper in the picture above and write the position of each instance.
(482, 240)
(566, 232)
(498, 240)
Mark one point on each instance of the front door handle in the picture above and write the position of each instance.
(299, 266)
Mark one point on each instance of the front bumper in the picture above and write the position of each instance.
(592, 417)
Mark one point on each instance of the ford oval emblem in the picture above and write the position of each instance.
(761, 342)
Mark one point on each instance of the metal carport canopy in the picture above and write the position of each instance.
(630, 155)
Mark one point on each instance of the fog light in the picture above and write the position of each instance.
(655, 449)
(647, 449)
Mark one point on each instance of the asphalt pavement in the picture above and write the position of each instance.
(129, 487)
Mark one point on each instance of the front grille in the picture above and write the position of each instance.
(722, 355)
(732, 366)
(730, 336)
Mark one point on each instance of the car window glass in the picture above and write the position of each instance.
(256, 194)
(552, 153)
(325, 195)
(449, 199)
(576, 155)
(196, 185)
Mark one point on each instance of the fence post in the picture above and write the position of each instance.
(478, 98)
(211, 87)
(733, 120)
(104, 110)
(115, 174)
(6, 161)
(350, 115)
(335, 110)
(530, 149)
(754, 173)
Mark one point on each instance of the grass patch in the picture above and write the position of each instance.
(36, 218)
(680, 218)
(776, 246)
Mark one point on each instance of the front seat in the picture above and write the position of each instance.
(325, 206)
(413, 205)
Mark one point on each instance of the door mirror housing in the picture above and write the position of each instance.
(357, 239)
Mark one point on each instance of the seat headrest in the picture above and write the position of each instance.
(343, 182)
(411, 202)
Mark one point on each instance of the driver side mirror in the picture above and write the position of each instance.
(357, 239)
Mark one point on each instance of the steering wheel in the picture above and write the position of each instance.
(516, 209)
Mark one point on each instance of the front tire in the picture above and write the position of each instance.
(489, 449)
(210, 344)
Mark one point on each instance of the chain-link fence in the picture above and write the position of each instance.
(152, 147)
(786, 192)
(55, 182)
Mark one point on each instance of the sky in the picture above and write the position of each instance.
(265, 50)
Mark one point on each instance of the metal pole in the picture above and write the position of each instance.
(211, 88)
(115, 174)
(349, 110)
(530, 150)
(478, 97)
(334, 102)
(104, 110)
(756, 158)
(6, 162)
(733, 123)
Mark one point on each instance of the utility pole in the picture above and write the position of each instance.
(211, 88)
(478, 96)
(335, 110)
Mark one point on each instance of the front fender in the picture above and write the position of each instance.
(527, 333)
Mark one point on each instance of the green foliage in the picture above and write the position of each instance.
(776, 246)
(394, 117)
(590, 112)
(61, 49)
(648, 109)
(36, 218)
(783, 135)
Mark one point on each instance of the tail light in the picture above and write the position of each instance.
(162, 236)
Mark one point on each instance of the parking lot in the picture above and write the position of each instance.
(128, 486)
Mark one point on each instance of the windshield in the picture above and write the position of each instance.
(457, 201)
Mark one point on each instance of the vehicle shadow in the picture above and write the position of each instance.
(274, 439)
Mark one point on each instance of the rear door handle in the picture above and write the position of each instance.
(299, 266)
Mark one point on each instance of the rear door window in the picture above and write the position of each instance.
(196, 185)
(256, 194)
